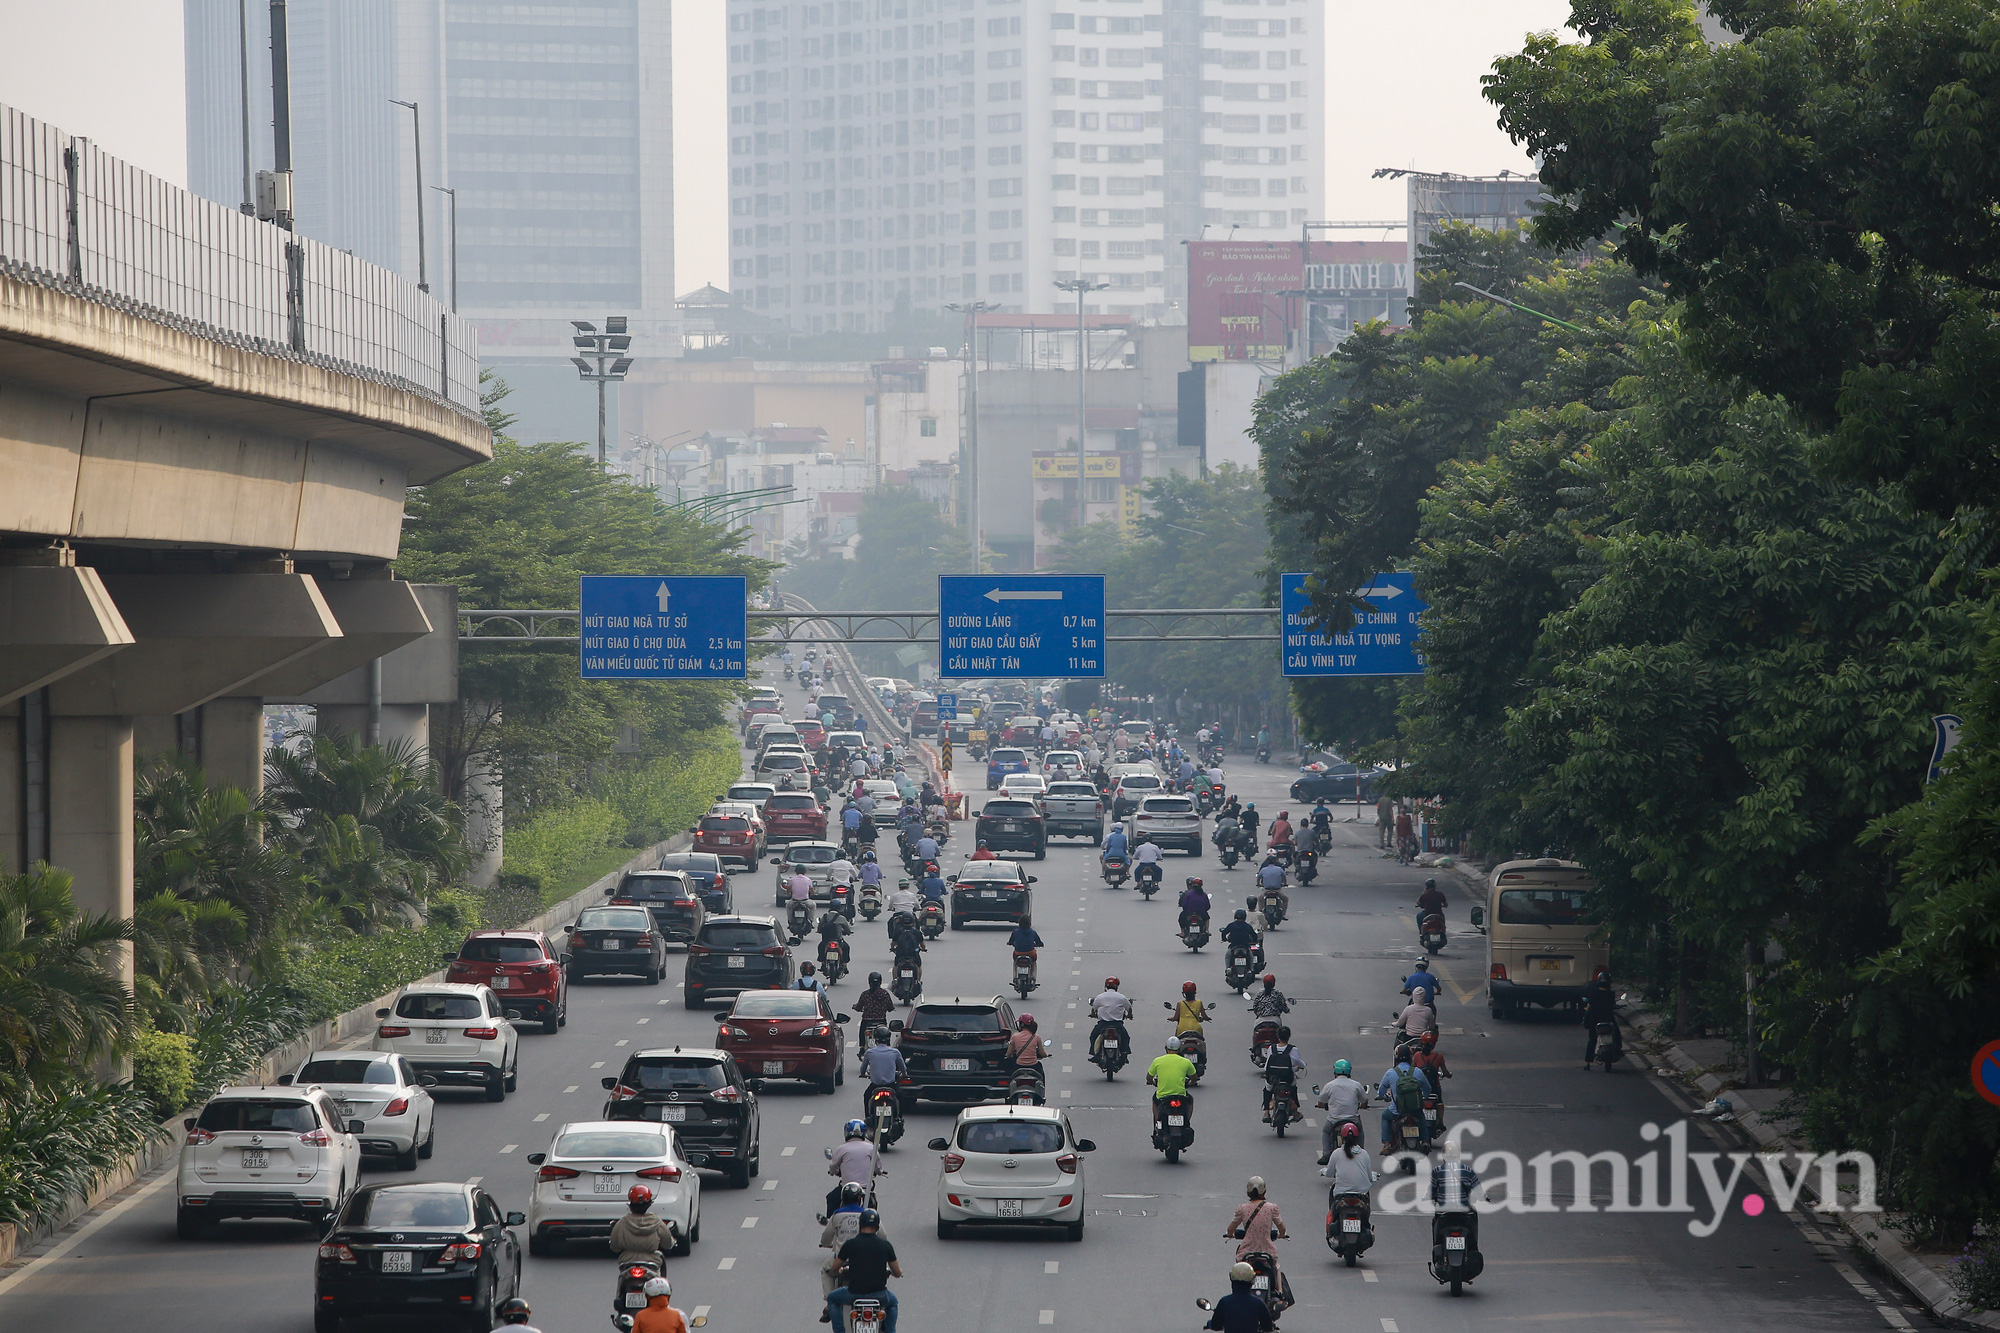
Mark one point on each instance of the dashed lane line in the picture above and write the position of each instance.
(571, 1088)
(726, 1265)
(509, 1148)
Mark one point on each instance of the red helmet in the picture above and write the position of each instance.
(1430, 1039)
(1026, 1023)
(638, 1194)
(1187, 989)
(1111, 983)
(1270, 978)
(1284, 814)
(1349, 1130)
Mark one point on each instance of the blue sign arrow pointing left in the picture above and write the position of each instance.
(653, 628)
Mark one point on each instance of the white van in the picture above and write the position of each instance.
(1541, 946)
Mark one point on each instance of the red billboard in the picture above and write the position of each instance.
(1236, 307)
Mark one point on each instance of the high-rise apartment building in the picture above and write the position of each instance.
(552, 122)
(887, 155)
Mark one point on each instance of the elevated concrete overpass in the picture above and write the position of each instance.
(207, 425)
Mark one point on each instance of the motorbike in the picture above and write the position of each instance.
(1610, 1044)
(1433, 1118)
(1116, 868)
(1307, 867)
(632, 1280)
(871, 901)
(831, 965)
(1430, 931)
(930, 919)
(1284, 1106)
(1113, 1050)
(1408, 1138)
(867, 1314)
(1348, 1233)
(1204, 802)
(1024, 1086)
(908, 983)
(798, 918)
(885, 1116)
(1239, 968)
(1264, 753)
(1455, 1257)
(1195, 1048)
(1195, 935)
(1283, 852)
(1265, 1286)
(938, 829)
(1173, 1128)
(1227, 848)
(1149, 875)
(1024, 973)
(1262, 1038)
(840, 898)
(1273, 908)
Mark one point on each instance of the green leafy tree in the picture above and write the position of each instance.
(904, 543)
(63, 1003)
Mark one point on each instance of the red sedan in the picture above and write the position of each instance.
(786, 1034)
(793, 817)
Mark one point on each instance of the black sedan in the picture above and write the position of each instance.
(1337, 782)
(420, 1249)
(620, 941)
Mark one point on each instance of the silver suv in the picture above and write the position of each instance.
(266, 1152)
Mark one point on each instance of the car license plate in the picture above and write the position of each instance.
(254, 1158)
(674, 1113)
(635, 1300)
(774, 1066)
(1010, 827)
(1261, 1282)
(1177, 1120)
(397, 1261)
(604, 1184)
(503, 983)
(1454, 1242)
(1549, 964)
(1350, 1224)
(614, 944)
(955, 1066)
(434, 1036)
(989, 893)
(1010, 1207)
(738, 960)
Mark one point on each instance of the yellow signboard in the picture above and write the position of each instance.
(1055, 467)
(1128, 509)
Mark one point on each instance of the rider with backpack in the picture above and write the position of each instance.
(1401, 1092)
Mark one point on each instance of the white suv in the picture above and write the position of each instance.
(454, 1033)
(266, 1152)
(582, 1180)
(1169, 821)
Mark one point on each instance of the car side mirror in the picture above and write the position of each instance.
(1034, 879)
(895, 1025)
(1479, 918)
(517, 1219)
(722, 1017)
(513, 1015)
(938, 1145)
(754, 1084)
(608, 1083)
(537, 1158)
(284, 1080)
(381, 1013)
(843, 1018)
(357, 1126)
(450, 955)
(610, 892)
(1086, 1145)
(426, 1081)
(188, 1124)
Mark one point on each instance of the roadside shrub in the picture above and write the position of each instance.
(163, 1069)
(1976, 1272)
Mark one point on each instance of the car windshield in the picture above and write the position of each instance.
(738, 935)
(1072, 789)
(1062, 757)
(751, 791)
(1138, 783)
(610, 1143)
(707, 863)
(674, 1075)
(782, 760)
(998, 872)
(811, 856)
(800, 803)
(930, 1018)
(294, 1117)
(724, 824)
(650, 888)
(1542, 907)
(1170, 805)
(829, 702)
(495, 950)
(1010, 757)
(1010, 1136)
(777, 1004)
(421, 1005)
(347, 1071)
(609, 920)
(430, 1209)
(1009, 809)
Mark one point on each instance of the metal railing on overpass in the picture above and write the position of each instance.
(1199, 624)
(74, 218)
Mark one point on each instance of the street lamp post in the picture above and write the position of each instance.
(602, 361)
(417, 139)
(1079, 285)
(972, 310)
(446, 190)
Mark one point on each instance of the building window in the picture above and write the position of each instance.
(927, 426)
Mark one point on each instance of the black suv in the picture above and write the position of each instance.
(703, 1095)
(678, 905)
(415, 1250)
(1340, 781)
(839, 705)
(956, 1047)
(618, 941)
(1012, 826)
(733, 954)
(990, 891)
(705, 871)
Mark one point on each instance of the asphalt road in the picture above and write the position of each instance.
(1154, 1235)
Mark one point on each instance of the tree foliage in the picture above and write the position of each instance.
(903, 544)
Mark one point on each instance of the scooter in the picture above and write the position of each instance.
(1239, 968)
(1430, 931)
(831, 965)
(908, 983)
(885, 1116)
(632, 1280)
(1283, 852)
(1195, 935)
(840, 898)
(1264, 753)
(871, 901)
(1024, 973)
(1307, 868)
(1265, 1285)
(1409, 1140)
(1348, 1233)
(1024, 1087)
(1115, 869)
(1227, 848)
(1273, 908)
(788, 673)
(1610, 1044)
(930, 919)
(1112, 1051)
(1149, 875)
(1173, 1125)
(798, 918)
(1433, 1118)
(1455, 1257)
(1284, 1107)
(1262, 1038)
(1195, 1048)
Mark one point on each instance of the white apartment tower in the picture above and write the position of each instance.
(898, 154)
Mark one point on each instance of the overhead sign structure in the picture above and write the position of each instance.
(1020, 625)
(656, 628)
(1383, 641)
(947, 708)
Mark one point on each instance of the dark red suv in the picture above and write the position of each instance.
(522, 968)
(793, 817)
(729, 837)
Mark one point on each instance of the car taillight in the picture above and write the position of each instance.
(1100, 807)
(818, 1030)
(953, 1161)
(644, 941)
(397, 1107)
(482, 1034)
(464, 1250)
(621, 902)
(726, 1094)
(556, 1173)
(699, 949)
(620, 1092)
(775, 951)
(316, 1138)
(335, 1250)
(576, 942)
(1068, 1163)
(728, 1030)
(1498, 972)
(386, 1031)
(659, 1173)
(197, 1137)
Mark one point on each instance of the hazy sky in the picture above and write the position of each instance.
(1402, 91)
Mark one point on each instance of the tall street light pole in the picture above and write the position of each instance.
(972, 310)
(445, 190)
(243, 70)
(1079, 286)
(603, 361)
(417, 138)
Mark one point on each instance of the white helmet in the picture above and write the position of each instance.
(658, 1286)
(1173, 1043)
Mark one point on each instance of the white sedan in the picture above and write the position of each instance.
(391, 1100)
(1011, 1166)
(1029, 786)
(582, 1181)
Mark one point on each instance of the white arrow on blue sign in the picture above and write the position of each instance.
(1383, 641)
(1020, 625)
(652, 628)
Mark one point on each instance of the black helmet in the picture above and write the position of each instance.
(870, 1220)
(852, 1192)
(1242, 915)
(1430, 883)
(874, 978)
(514, 1311)
(882, 1034)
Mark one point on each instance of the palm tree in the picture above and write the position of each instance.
(210, 854)
(388, 788)
(63, 1001)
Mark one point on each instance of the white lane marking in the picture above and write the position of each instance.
(597, 1064)
(1311, 1123)
(474, 1180)
(1368, 1275)
(1068, 1069)
(621, 1043)
(1065, 1093)
(1051, 1266)
(770, 1184)
(805, 1120)
(540, 1118)
(749, 1222)
(641, 1022)
(726, 1265)
(84, 1232)
(662, 1002)
(701, 1311)
(788, 1152)
(1048, 1316)
(509, 1148)
(1069, 1025)
(1389, 1326)
(1068, 1045)
(1128, 1196)
(571, 1088)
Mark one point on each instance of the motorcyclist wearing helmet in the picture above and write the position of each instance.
(1271, 874)
(1270, 1002)
(1284, 1066)
(842, 1225)
(514, 1315)
(1194, 905)
(1343, 1098)
(1251, 819)
(659, 1316)
(1190, 1013)
(1146, 854)
(1421, 977)
(984, 853)
(1242, 1310)
(854, 1162)
(1115, 844)
(639, 1237)
(865, 1264)
(875, 1004)
(902, 900)
(1428, 1058)
(1240, 932)
(1281, 829)
(1024, 1047)
(836, 927)
(1169, 1074)
(1252, 1225)
(808, 979)
(932, 886)
(1110, 1008)
(1350, 1172)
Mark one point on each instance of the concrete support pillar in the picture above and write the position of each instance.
(155, 734)
(485, 821)
(90, 812)
(400, 722)
(13, 766)
(232, 744)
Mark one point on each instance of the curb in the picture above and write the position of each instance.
(328, 1032)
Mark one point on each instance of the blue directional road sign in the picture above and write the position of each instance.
(1383, 641)
(1021, 625)
(662, 628)
(947, 708)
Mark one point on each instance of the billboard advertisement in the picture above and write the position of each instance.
(1237, 307)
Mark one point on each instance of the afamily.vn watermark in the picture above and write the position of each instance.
(1611, 1182)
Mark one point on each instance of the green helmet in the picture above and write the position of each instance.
(1342, 1068)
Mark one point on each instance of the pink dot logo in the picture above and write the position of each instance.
(1753, 1205)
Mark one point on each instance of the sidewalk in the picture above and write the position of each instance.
(1707, 1065)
